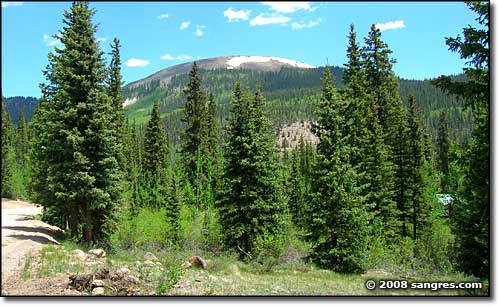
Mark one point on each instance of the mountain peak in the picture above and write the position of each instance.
(250, 62)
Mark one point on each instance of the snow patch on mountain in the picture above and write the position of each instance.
(237, 61)
(129, 101)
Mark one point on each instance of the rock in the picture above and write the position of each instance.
(184, 284)
(79, 254)
(124, 270)
(103, 273)
(131, 279)
(99, 291)
(150, 256)
(186, 265)
(149, 263)
(198, 261)
(97, 283)
(99, 252)
(195, 260)
(81, 281)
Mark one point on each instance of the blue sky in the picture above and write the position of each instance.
(156, 35)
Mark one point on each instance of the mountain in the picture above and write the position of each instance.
(19, 104)
(256, 63)
(292, 90)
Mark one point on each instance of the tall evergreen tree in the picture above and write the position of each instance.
(114, 84)
(339, 218)
(212, 132)
(383, 87)
(379, 175)
(22, 140)
(194, 136)
(443, 146)
(7, 140)
(416, 168)
(156, 153)
(471, 211)
(77, 177)
(250, 204)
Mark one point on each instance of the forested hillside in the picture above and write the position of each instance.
(19, 104)
(291, 95)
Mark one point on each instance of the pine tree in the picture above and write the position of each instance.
(297, 188)
(77, 177)
(22, 140)
(250, 205)
(471, 211)
(194, 136)
(114, 84)
(380, 178)
(339, 218)
(7, 140)
(156, 153)
(382, 85)
(416, 167)
(357, 97)
(443, 143)
(212, 133)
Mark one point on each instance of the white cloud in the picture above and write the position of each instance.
(169, 57)
(289, 7)
(184, 25)
(261, 20)
(102, 39)
(397, 24)
(136, 63)
(310, 24)
(199, 31)
(51, 41)
(9, 3)
(236, 15)
(162, 16)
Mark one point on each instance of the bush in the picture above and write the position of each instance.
(199, 229)
(170, 277)
(149, 228)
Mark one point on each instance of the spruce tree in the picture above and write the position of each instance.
(77, 177)
(211, 122)
(379, 175)
(22, 140)
(416, 164)
(471, 210)
(114, 84)
(156, 153)
(339, 218)
(250, 205)
(443, 146)
(382, 85)
(7, 140)
(193, 138)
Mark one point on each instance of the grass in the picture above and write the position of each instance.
(241, 279)
(26, 269)
(225, 275)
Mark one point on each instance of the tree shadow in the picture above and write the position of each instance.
(34, 238)
(50, 232)
(24, 217)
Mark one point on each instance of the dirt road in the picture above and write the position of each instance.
(21, 234)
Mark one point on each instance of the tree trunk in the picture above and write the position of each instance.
(87, 225)
(73, 220)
